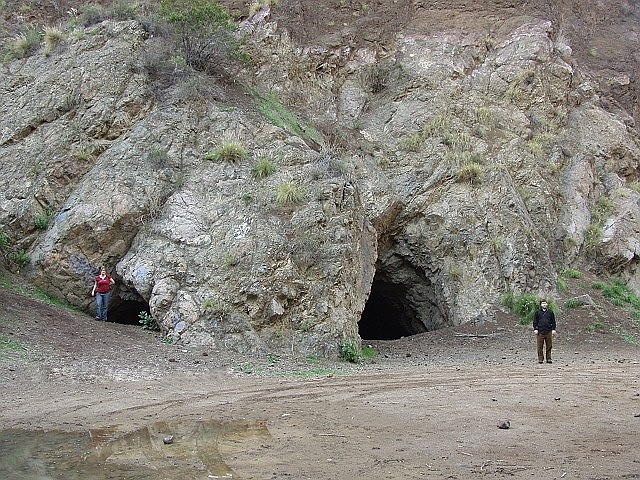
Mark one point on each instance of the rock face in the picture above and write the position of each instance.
(456, 167)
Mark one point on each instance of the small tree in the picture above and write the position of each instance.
(203, 31)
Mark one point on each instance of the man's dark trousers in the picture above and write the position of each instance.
(544, 338)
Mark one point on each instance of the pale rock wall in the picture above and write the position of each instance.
(220, 264)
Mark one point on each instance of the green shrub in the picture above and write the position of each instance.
(52, 38)
(634, 186)
(438, 125)
(368, 352)
(247, 368)
(601, 212)
(567, 272)
(459, 141)
(348, 351)
(231, 151)
(486, 116)
(41, 220)
(629, 337)
(83, 155)
(203, 31)
(23, 45)
(159, 157)
(470, 172)
(540, 143)
(148, 322)
(124, 10)
(20, 258)
(289, 193)
(4, 240)
(8, 344)
(91, 14)
(594, 326)
(277, 114)
(572, 303)
(563, 286)
(525, 305)
(264, 167)
(411, 142)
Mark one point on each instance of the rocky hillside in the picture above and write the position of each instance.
(376, 169)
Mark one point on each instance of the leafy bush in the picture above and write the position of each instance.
(525, 305)
(562, 284)
(4, 240)
(91, 14)
(470, 172)
(486, 116)
(619, 294)
(368, 352)
(83, 155)
(289, 193)
(277, 114)
(20, 258)
(438, 125)
(231, 151)
(595, 325)
(159, 157)
(148, 322)
(264, 167)
(348, 351)
(540, 143)
(629, 337)
(601, 212)
(572, 303)
(411, 142)
(8, 344)
(202, 29)
(567, 272)
(23, 45)
(459, 141)
(124, 10)
(52, 38)
(41, 220)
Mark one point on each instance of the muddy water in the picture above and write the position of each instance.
(111, 453)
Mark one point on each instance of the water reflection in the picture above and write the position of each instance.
(110, 453)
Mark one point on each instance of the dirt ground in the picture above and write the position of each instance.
(424, 406)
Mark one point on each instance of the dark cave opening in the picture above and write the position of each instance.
(125, 308)
(403, 302)
(387, 316)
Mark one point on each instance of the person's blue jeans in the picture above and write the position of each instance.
(102, 304)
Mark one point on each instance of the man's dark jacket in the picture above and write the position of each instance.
(544, 321)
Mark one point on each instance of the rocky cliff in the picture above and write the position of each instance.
(406, 165)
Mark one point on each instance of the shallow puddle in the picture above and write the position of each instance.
(113, 454)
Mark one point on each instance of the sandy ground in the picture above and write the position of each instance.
(424, 406)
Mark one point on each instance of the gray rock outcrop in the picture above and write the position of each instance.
(461, 166)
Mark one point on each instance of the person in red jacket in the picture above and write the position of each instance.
(102, 287)
(544, 326)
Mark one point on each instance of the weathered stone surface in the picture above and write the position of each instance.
(221, 264)
(581, 300)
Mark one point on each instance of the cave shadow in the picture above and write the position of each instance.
(403, 302)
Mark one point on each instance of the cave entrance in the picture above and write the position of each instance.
(125, 308)
(403, 302)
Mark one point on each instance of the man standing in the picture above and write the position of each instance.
(544, 326)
